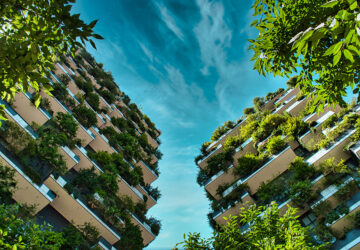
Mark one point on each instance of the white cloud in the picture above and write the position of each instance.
(170, 22)
(146, 51)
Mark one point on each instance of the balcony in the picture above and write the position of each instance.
(297, 107)
(85, 135)
(19, 120)
(26, 192)
(203, 162)
(85, 162)
(150, 200)
(351, 241)
(345, 220)
(273, 167)
(145, 229)
(149, 175)
(231, 132)
(105, 104)
(24, 107)
(116, 112)
(335, 150)
(92, 79)
(69, 156)
(127, 189)
(219, 215)
(356, 149)
(100, 143)
(327, 194)
(228, 177)
(288, 102)
(100, 120)
(313, 137)
(151, 141)
(78, 212)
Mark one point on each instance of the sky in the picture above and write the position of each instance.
(186, 64)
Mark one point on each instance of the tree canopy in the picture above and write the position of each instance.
(266, 229)
(31, 37)
(319, 38)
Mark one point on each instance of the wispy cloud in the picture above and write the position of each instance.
(170, 21)
(146, 51)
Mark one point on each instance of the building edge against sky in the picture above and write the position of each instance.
(282, 151)
(104, 168)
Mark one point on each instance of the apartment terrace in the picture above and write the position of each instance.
(203, 162)
(149, 175)
(145, 229)
(287, 103)
(85, 135)
(26, 192)
(244, 201)
(100, 143)
(27, 110)
(77, 211)
(335, 150)
(317, 135)
(231, 132)
(345, 220)
(150, 200)
(273, 167)
(153, 143)
(228, 177)
(351, 241)
(297, 106)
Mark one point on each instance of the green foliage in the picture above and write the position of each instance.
(130, 238)
(329, 166)
(309, 36)
(221, 130)
(258, 102)
(268, 231)
(329, 122)
(248, 111)
(291, 83)
(84, 84)
(347, 191)
(7, 184)
(67, 125)
(62, 95)
(269, 96)
(300, 193)
(85, 116)
(294, 127)
(93, 100)
(64, 79)
(232, 142)
(33, 34)
(23, 233)
(275, 145)
(73, 238)
(322, 208)
(107, 95)
(247, 164)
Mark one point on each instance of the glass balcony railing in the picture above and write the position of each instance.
(217, 175)
(137, 192)
(106, 103)
(319, 154)
(84, 152)
(144, 224)
(152, 171)
(19, 120)
(71, 153)
(203, 159)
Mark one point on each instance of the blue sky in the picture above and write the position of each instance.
(187, 65)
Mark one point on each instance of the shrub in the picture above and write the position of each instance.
(301, 169)
(331, 216)
(107, 95)
(221, 130)
(275, 144)
(342, 208)
(246, 165)
(293, 127)
(93, 100)
(84, 85)
(292, 81)
(258, 102)
(329, 166)
(347, 191)
(232, 142)
(85, 116)
(357, 219)
(248, 111)
(322, 208)
(64, 79)
(300, 193)
(329, 122)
